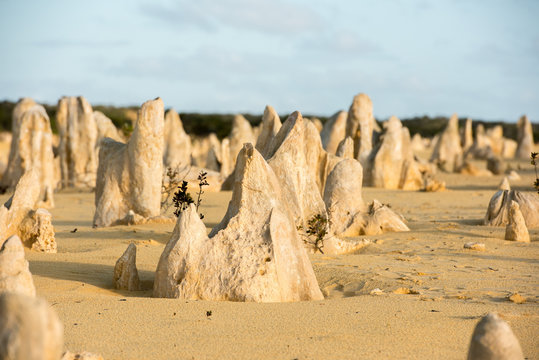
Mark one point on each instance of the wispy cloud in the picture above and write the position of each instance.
(266, 16)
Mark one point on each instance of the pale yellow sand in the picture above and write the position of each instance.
(451, 288)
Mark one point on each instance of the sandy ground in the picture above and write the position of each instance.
(450, 287)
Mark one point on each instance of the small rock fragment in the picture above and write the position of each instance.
(376, 291)
(37, 231)
(475, 246)
(82, 356)
(517, 298)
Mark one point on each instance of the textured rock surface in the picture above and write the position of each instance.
(37, 232)
(254, 254)
(29, 329)
(493, 339)
(391, 163)
(177, 151)
(500, 205)
(516, 229)
(382, 219)
(334, 131)
(31, 149)
(495, 165)
(130, 175)
(241, 133)
(342, 196)
(504, 184)
(524, 138)
(467, 136)
(447, 151)
(345, 149)
(297, 158)
(106, 128)
(360, 126)
(15, 275)
(78, 140)
(18, 207)
(125, 270)
(269, 128)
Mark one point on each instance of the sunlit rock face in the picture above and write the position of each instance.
(78, 138)
(130, 175)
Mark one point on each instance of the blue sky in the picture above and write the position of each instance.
(414, 57)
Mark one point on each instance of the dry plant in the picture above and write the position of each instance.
(182, 198)
(533, 157)
(317, 231)
(175, 177)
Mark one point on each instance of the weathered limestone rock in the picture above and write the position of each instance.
(32, 149)
(382, 219)
(467, 136)
(493, 339)
(37, 231)
(334, 131)
(447, 151)
(19, 206)
(22, 106)
(419, 145)
(360, 126)
(500, 204)
(433, 185)
(516, 228)
(524, 138)
(254, 254)
(241, 133)
(345, 149)
(269, 128)
(342, 196)
(495, 139)
(106, 128)
(495, 165)
(78, 139)
(473, 245)
(504, 184)
(29, 329)
(481, 147)
(468, 168)
(206, 152)
(509, 149)
(513, 175)
(130, 175)
(295, 157)
(15, 275)
(5, 145)
(317, 124)
(177, 151)
(391, 163)
(125, 270)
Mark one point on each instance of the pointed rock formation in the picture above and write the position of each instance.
(106, 128)
(130, 175)
(254, 254)
(317, 124)
(504, 185)
(345, 149)
(78, 139)
(269, 128)
(382, 219)
(37, 231)
(500, 205)
(125, 270)
(19, 206)
(15, 275)
(524, 138)
(467, 136)
(29, 329)
(516, 229)
(391, 163)
(177, 151)
(360, 126)
(342, 197)
(300, 163)
(447, 151)
(334, 131)
(241, 133)
(31, 149)
(513, 175)
(493, 339)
